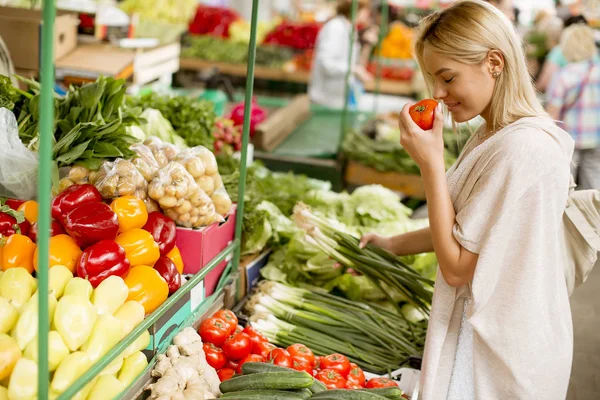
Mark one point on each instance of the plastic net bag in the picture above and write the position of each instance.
(181, 199)
(119, 178)
(18, 164)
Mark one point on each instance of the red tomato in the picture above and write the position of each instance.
(215, 357)
(263, 349)
(225, 374)
(237, 346)
(280, 357)
(239, 329)
(332, 379)
(301, 364)
(232, 365)
(300, 351)
(423, 113)
(318, 360)
(255, 336)
(353, 386)
(380, 383)
(229, 318)
(249, 358)
(214, 330)
(336, 362)
(356, 375)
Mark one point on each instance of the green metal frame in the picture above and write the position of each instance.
(44, 197)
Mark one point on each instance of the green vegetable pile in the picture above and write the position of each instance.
(90, 121)
(211, 48)
(193, 120)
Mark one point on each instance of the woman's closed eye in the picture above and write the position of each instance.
(449, 80)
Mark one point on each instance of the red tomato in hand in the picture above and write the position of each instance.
(249, 358)
(263, 349)
(300, 351)
(301, 364)
(336, 362)
(214, 330)
(237, 346)
(215, 357)
(280, 357)
(380, 383)
(225, 374)
(332, 379)
(356, 375)
(255, 336)
(230, 319)
(232, 364)
(423, 113)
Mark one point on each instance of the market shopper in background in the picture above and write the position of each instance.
(332, 52)
(500, 325)
(574, 99)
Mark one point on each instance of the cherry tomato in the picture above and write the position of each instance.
(263, 349)
(300, 351)
(356, 375)
(229, 318)
(232, 364)
(280, 357)
(301, 364)
(249, 358)
(214, 330)
(255, 336)
(423, 113)
(332, 379)
(336, 362)
(237, 346)
(225, 374)
(380, 383)
(215, 357)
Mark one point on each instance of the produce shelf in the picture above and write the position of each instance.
(357, 174)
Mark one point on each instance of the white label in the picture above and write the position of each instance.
(197, 296)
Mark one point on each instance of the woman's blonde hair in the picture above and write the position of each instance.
(578, 43)
(466, 32)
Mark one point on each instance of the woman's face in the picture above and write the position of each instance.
(363, 16)
(465, 89)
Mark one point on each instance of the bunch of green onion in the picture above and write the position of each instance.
(377, 339)
(383, 268)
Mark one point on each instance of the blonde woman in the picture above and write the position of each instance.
(500, 324)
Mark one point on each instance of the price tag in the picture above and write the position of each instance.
(197, 296)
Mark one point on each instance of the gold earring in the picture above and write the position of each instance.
(496, 74)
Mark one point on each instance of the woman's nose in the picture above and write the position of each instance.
(439, 93)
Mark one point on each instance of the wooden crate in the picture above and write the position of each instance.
(410, 185)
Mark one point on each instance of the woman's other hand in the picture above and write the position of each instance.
(362, 74)
(376, 240)
(425, 147)
(371, 35)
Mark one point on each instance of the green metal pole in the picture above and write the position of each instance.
(44, 191)
(246, 131)
(349, 73)
(382, 33)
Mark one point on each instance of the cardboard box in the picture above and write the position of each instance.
(249, 271)
(21, 31)
(281, 123)
(199, 246)
(410, 185)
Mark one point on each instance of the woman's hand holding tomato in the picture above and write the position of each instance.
(425, 146)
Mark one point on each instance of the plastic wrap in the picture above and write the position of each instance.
(119, 178)
(77, 175)
(163, 152)
(145, 162)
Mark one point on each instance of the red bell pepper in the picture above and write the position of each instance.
(73, 197)
(13, 203)
(167, 269)
(55, 229)
(92, 222)
(12, 221)
(104, 259)
(163, 230)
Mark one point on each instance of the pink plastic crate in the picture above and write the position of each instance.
(199, 246)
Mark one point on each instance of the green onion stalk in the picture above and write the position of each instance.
(383, 268)
(374, 338)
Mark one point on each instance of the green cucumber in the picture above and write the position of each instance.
(266, 394)
(256, 368)
(317, 386)
(345, 394)
(390, 393)
(268, 381)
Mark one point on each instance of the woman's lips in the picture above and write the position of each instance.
(452, 106)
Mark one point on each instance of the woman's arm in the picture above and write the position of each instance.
(406, 244)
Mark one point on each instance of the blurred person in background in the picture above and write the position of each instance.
(550, 27)
(573, 97)
(332, 52)
(507, 8)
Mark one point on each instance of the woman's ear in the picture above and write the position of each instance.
(495, 61)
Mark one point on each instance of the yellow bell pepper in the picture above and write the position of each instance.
(17, 252)
(30, 210)
(106, 387)
(140, 247)
(10, 353)
(63, 250)
(131, 211)
(110, 294)
(106, 334)
(175, 256)
(57, 350)
(147, 287)
(23, 384)
(74, 319)
(133, 366)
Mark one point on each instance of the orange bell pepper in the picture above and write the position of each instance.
(140, 247)
(131, 212)
(30, 209)
(175, 256)
(147, 287)
(17, 251)
(63, 251)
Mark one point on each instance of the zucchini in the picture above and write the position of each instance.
(316, 387)
(256, 368)
(390, 393)
(268, 381)
(345, 394)
(265, 394)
